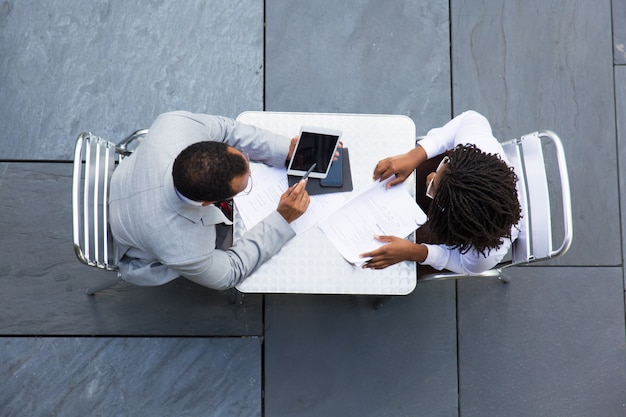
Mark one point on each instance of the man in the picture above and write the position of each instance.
(475, 205)
(162, 207)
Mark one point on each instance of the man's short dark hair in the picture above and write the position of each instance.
(476, 201)
(203, 171)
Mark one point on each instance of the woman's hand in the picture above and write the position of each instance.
(395, 250)
(400, 165)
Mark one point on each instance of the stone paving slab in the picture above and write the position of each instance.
(359, 56)
(337, 356)
(619, 31)
(111, 67)
(549, 343)
(42, 283)
(620, 99)
(532, 65)
(130, 377)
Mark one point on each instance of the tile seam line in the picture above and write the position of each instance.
(617, 135)
(263, 299)
(456, 284)
(264, 53)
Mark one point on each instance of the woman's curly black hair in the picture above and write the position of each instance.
(476, 203)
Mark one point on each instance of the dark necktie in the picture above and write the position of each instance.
(227, 208)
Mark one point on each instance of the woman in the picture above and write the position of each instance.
(474, 206)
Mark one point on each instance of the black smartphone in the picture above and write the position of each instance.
(335, 173)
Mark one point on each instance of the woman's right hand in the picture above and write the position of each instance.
(400, 165)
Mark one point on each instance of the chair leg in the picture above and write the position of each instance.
(236, 296)
(505, 279)
(380, 302)
(103, 286)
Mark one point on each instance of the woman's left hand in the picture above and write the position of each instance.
(395, 250)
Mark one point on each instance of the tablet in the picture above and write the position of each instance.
(315, 145)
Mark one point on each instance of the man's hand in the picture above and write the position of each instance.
(401, 165)
(292, 148)
(395, 250)
(294, 202)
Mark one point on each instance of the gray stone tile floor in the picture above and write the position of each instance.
(549, 343)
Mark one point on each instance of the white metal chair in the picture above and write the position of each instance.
(535, 241)
(94, 161)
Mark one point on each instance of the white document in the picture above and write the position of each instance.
(374, 211)
(269, 185)
(349, 224)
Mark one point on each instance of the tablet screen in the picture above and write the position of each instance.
(314, 147)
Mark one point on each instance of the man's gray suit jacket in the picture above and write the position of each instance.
(159, 236)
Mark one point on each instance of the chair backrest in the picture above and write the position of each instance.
(535, 241)
(94, 162)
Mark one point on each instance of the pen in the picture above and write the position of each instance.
(306, 174)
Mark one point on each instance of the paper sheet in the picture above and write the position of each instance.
(349, 224)
(269, 184)
(374, 211)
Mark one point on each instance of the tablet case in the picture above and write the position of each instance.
(313, 187)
